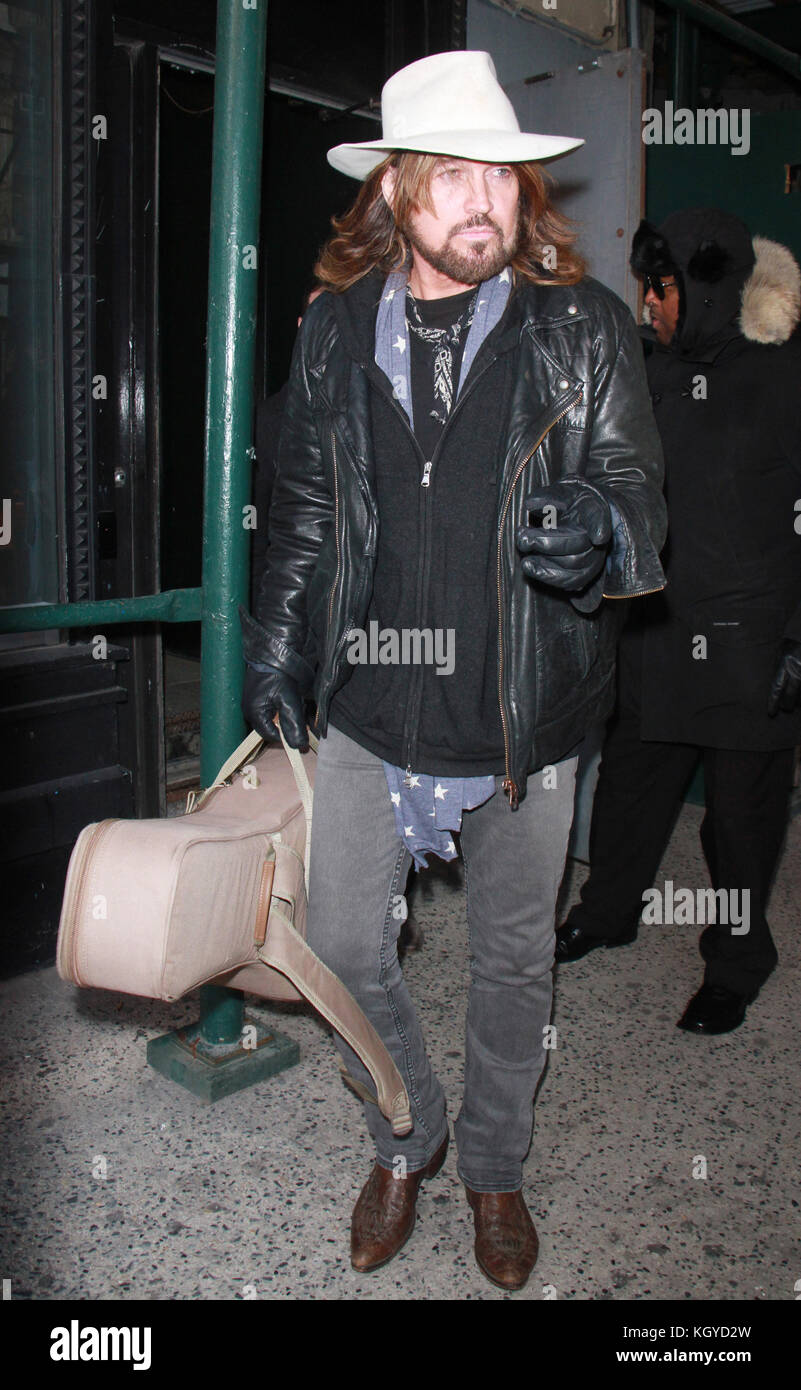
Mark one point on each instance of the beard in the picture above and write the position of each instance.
(481, 262)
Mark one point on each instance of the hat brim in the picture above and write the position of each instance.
(484, 146)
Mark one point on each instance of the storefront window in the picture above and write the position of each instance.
(29, 522)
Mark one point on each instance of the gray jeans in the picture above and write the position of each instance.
(513, 867)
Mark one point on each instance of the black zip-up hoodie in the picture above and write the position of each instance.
(435, 569)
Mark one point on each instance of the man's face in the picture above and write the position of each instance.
(664, 312)
(473, 230)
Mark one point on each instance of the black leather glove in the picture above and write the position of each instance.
(786, 688)
(266, 693)
(569, 554)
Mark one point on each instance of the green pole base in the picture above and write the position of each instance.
(211, 1072)
(222, 1015)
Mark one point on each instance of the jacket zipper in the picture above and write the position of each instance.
(336, 530)
(336, 537)
(509, 786)
(415, 685)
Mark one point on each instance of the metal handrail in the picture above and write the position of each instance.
(172, 606)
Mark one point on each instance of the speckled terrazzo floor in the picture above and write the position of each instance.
(252, 1196)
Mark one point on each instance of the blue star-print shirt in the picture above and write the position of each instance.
(428, 809)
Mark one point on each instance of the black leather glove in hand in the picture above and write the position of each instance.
(786, 688)
(266, 693)
(569, 554)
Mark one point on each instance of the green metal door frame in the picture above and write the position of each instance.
(240, 71)
(233, 281)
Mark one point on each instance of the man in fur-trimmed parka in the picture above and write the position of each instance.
(713, 663)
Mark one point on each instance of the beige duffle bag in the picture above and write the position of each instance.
(159, 907)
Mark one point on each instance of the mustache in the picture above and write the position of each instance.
(476, 221)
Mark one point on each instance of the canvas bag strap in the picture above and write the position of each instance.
(304, 788)
(285, 950)
(249, 746)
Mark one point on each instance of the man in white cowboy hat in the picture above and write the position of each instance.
(468, 464)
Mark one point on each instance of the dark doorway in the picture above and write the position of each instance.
(300, 193)
(186, 111)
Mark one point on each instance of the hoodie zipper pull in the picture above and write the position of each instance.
(425, 481)
(510, 789)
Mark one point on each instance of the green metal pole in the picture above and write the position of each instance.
(231, 331)
(233, 285)
(210, 1058)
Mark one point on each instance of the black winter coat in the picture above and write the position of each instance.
(578, 409)
(728, 411)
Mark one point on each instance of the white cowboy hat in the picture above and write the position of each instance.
(449, 103)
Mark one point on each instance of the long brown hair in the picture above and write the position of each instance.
(369, 234)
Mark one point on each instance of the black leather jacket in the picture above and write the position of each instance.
(580, 409)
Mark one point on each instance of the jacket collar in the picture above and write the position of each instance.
(530, 307)
(355, 312)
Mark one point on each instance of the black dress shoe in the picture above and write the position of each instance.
(574, 942)
(714, 1010)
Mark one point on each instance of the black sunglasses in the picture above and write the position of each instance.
(655, 283)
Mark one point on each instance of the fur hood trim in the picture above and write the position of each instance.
(771, 306)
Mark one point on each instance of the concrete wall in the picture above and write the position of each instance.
(514, 41)
(594, 95)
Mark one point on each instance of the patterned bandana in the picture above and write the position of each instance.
(392, 336)
(442, 342)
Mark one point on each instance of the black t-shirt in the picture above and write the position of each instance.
(434, 313)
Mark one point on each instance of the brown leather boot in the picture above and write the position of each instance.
(384, 1215)
(506, 1242)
